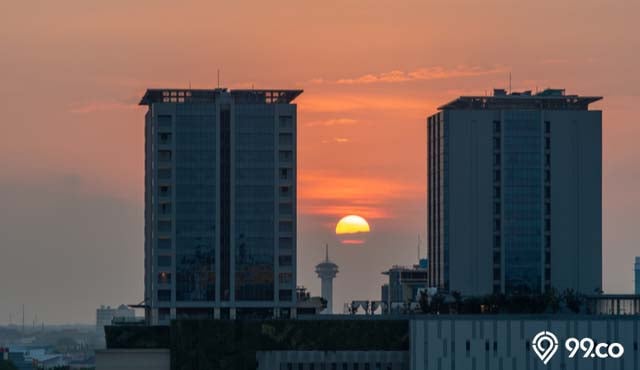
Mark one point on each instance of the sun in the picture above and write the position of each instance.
(351, 229)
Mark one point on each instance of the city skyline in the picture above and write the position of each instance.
(72, 186)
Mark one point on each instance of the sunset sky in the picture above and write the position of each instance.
(71, 149)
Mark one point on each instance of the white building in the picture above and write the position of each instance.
(515, 194)
(220, 203)
(106, 314)
(327, 271)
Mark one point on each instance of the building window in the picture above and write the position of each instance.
(164, 173)
(285, 277)
(285, 226)
(285, 209)
(164, 155)
(165, 137)
(164, 261)
(496, 127)
(285, 155)
(286, 122)
(285, 260)
(165, 190)
(285, 243)
(165, 208)
(164, 121)
(285, 294)
(284, 173)
(285, 139)
(164, 295)
(164, 278)
(164, 225)
(164, 243)
(285, 191)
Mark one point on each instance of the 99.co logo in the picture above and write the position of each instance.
(545, 346)
(592, 349)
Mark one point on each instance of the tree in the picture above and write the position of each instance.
(457, 299)
(7, 365)
(437, 303)
(551, 300)
(573, 300)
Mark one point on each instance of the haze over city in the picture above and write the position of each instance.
(71, 225)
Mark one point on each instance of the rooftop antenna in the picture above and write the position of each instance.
(218, 78)
(510, 83)
(326, 252)
(189, 84)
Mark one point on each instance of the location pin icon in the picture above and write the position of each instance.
(545, 345)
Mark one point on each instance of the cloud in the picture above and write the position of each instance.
(339, 102)
(333, 122)
(421, 74)
(339, 140)
(329, 194)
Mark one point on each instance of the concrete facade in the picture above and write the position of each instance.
(636, 275)
(504, 342)
(133, 359)
(333, 360)
(515, 194)
(220, 203)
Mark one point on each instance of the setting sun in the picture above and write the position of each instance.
(351, 228)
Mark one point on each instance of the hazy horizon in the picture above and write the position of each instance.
(71, 189)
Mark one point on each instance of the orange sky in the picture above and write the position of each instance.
(71, 147)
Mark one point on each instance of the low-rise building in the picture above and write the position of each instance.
(404, 286)
(106, 314)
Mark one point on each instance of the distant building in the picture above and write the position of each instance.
(106, 314)
(369, 359)
(49, 361)
(327, 271)
(404, 286)
(515, 194)
(306, 304)
(637, 275)
(17, 358)
(220, 203)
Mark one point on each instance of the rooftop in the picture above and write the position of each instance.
(251, 96)
(552, 99)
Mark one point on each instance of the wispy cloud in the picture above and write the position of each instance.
(420, 74)
(328, 194)
(339, 140)
(335, 102)
(332, 122)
